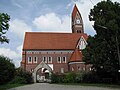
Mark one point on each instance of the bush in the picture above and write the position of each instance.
(18, 80)
(64, 78)
(70, 78)
(82, 77)
(22, 77)
(7, 70)
(57, 78)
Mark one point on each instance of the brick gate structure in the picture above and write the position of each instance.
(41, 65)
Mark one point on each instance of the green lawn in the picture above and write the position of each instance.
(8, 86)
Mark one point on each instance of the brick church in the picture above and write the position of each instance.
(45, 52)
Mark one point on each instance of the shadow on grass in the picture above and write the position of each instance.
(8, 86)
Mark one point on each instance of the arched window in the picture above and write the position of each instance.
(29, 59)
(35, 60)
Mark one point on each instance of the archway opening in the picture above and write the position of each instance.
(43, 75)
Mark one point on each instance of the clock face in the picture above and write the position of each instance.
(78, 21)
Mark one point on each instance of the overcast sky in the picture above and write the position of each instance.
(40, 16)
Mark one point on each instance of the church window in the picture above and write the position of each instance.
(49, 59)
(45, 59)
(35, 60)
(64, 59)
(58, 59)
(29, 59)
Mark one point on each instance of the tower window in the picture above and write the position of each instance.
(78, 31)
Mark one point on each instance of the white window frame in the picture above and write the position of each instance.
(58, 61)
(63, 59)
(36, 59)
(44, 59)
(29, 59)
(49, 59)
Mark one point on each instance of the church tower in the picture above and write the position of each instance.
(77, 22)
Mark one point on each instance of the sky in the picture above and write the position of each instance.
(40, 16)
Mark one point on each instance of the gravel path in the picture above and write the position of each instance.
(46, 86)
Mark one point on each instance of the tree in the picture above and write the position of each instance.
(102, 50)
(4, 26)
(7, 70)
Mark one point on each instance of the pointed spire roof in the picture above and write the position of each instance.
(75, 10)
(76, 56)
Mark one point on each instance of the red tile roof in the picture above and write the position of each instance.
(76, 56)
(51, 41)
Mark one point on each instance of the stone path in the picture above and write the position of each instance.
(46, 86)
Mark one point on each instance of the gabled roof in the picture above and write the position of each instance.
(76, 56)
(80, 44)
(51, 41)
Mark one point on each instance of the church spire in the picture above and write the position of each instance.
(77, 22)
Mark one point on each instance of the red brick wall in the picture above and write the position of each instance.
(79, 67)
(56, 66)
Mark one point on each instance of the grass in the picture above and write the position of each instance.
(8, 86)
(94, 85)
